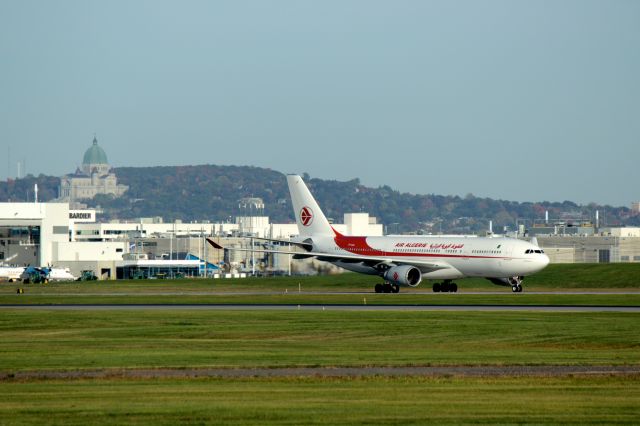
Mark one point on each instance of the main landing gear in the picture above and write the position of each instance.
(445, 287)
(387, 288)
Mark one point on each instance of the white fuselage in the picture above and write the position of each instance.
(486, 257)
(61, 274)
(11, 273)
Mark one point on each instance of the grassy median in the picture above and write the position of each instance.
(85, 339)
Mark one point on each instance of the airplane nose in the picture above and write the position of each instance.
(544, 260)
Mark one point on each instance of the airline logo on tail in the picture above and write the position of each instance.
(306, 216)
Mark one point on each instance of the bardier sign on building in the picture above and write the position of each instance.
(82, 215)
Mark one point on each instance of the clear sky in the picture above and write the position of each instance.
(518, 100)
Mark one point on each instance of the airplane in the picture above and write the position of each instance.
(60, 274)
(11, 273)
(33, 274)
(407, 260)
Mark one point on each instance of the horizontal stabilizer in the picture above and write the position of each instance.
(214, 244)
(305, 245)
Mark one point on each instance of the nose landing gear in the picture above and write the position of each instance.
(516, 284)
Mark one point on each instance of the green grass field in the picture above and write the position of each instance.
(48, 340)
(289, 401)
(84, 339)
(109, 340)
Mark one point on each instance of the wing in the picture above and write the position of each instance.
(373, 261)
(306, 244)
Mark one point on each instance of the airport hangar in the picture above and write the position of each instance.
(43, 234)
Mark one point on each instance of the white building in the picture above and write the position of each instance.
(622, 232)
(29, 232)
(51, 233)
(612, 245)
(354, 224)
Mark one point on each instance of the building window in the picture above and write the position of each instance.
(604, 256)
(624, 258)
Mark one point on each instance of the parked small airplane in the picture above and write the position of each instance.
(407, 260)
(46, 274)
(61, 274)
(33, 274)
(11, 273)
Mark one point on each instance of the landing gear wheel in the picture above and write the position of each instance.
(454, 288)
(378, 288)
(395, 288)
(514, 288)
(436, 287)
(445, 287)
(519, 288)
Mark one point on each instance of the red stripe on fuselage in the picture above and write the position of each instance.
(357, 245)
(360, 247)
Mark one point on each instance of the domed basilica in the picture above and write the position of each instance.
(94, 177)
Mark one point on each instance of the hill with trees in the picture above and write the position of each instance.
(210, 192)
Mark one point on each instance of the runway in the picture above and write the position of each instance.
(328, 307)
(342, 293)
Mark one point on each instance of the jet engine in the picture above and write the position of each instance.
(404, 275)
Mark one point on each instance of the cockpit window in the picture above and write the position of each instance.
(527, 252)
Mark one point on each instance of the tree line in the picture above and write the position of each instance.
(211, 192)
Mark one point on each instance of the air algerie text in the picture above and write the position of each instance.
(431, 246)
